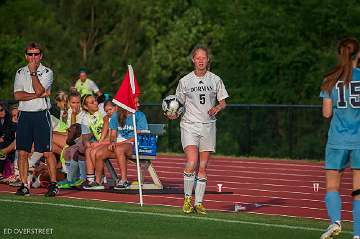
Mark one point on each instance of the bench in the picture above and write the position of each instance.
(145, 160)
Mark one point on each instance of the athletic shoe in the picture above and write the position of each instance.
(94, 186)
(52, 190)
(333, 230)
(187, 208)
(15, 182)
(78, 182)
(2, 178)
(64, 185)
(9, 179)
(356, 237)
(122, 185)
(200, 209)
(23, 191)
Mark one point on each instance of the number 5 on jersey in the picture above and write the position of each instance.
(202, 98)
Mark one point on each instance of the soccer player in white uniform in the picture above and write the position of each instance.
(203, 94)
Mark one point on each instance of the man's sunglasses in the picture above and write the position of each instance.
(33, 54)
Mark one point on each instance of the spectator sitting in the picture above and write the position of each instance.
(91, 128)
(121, 144)
(7, 138)
(70, 114)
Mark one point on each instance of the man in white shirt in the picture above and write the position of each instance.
(32, 89)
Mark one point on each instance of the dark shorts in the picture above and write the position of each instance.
(34, 127)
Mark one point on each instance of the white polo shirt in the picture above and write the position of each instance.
(23, 82)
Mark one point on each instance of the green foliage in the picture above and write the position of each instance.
(11, 53)
(268, 52)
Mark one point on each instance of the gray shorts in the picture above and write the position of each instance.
(202, 135)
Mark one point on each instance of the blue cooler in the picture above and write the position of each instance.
(146, 144)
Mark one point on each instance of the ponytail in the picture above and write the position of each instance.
(347, 50)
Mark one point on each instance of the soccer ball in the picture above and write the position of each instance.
(172, 106)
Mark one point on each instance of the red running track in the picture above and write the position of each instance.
(261, 186)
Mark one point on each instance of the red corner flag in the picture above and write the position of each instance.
(128, 91)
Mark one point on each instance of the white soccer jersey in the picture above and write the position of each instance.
(23, 82)
(79, 117)
(199, 95)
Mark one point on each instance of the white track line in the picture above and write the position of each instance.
(244, 161)
(223, 176)
(215, 165)
(210, 170)
(230, 168)
(168, 215)
(232, 202)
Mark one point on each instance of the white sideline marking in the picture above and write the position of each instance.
(168, 215)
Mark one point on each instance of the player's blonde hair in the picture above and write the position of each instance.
(61, 96)
(205, 49)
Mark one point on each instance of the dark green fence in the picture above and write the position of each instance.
(279, 131)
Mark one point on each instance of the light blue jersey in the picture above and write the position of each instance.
(344, 131)
(127, 131)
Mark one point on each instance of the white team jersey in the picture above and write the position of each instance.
(23, 82)
(199, 95)
(79, 117)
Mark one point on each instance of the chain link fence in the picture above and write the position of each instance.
(277, 131)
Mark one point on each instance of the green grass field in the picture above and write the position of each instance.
(69, 218)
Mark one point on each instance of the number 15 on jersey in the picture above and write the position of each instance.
(354, 94)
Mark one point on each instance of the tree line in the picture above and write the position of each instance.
(265, 51)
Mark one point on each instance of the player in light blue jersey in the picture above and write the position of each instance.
(121, 143)
(341, 102)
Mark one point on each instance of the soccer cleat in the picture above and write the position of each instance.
(94, 186)
(187, 207)
(52, 190)
(356, 237)
(122, 185)
(23, 191)
(200, 209)
(332, 230)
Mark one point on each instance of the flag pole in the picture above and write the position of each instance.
(131, 74)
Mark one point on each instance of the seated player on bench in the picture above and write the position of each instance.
(121, 145)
